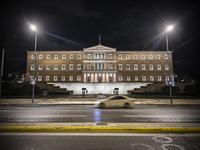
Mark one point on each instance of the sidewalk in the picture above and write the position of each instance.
(57, 101)
(102, 127)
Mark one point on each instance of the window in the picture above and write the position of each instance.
(55, 67)
(33, 56)
(128, 78)
(47, 67)
(103, 65)
(95, 55)
(99, 55)
(40, 67)
(120, 56)
(127, 56)
(150, 56)
(158, 67)
(135, 67)
(143, 67)
(79, 56)
(79, 67)
(89, 56)
(166, 67)
(110, 56)
(103, 55)
(136, 78)
(158, 56)
(110, 66)
(89, 66)
(151, 78)
(143, 56)
(78, 78)
(55, 78)
(56, 56)
(135, 56)
(48, 56)
(63, 56)
(63, 67)
(47, 78)
(159, 78)
(40, 56)
(166, 56)
(128, 67)
(71, 56)
(32, 67)
(120, 66)
(95, 66)
(39, 78)
(143, 78)
(167, 78)
(150, 67)
(120, 78)
(71, 67)
(63, 78)
(70, 78)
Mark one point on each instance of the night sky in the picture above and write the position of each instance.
(123, 24)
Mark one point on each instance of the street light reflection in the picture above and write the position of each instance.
(97, 115)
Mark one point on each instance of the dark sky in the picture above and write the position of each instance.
(123, 24)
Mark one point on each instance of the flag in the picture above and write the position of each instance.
(173, 82)
(167, 81)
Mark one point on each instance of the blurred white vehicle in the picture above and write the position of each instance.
(115, 101)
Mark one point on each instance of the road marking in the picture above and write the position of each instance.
(141, 146)
(173, 146)
(162, 139)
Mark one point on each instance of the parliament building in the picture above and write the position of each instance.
(100, 69)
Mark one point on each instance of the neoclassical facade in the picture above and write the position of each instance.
(100, 64)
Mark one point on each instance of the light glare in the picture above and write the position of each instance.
(33, 27)
(169, 28)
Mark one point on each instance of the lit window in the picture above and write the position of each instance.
(158, 56)
(127, 56)
(158, 67)
(63, 78)
(120, 66)
(143, 67)
(48, 56)
(71, 56)
(135, 56)
(40, 56)
(79, 67)
(40, 67)
(143, 56)
(39, 78)
(166, 67)
(55, 67)
(143, 78)
(136, 78)
(128, 78)
(78, 78)
(150, 67)
(150, 56)
(63, 67)
(55, 78)
(120, 56)
(56, 56)
(135, 67)
(32, 67)
(63, 56)
(47, 67)
(120, 78)
(127, 67)
(71, 67)
(47, 78)
(159, 78)
(151, 78)
(70, 78)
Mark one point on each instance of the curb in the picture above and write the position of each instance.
(103, 129)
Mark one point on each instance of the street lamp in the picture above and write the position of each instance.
(33, 28)
(169, 28)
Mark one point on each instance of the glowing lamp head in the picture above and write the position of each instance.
(33, 27)
(169, 28)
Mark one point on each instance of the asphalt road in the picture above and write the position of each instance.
(89, 114)
(98, 141)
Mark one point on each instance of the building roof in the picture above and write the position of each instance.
(99, 47)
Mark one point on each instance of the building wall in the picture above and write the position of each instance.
(123, 66)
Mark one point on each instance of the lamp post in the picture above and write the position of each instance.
(169, 28)
(33, 28)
